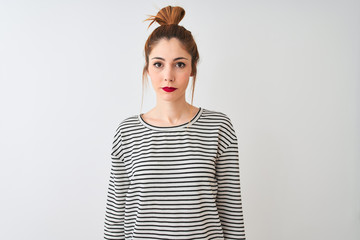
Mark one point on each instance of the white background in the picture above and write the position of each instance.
(286, 73)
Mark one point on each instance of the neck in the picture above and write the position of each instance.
(174, 112)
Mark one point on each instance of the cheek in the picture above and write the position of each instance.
(185, 75)
(155, 78)
(154, 75)
(184, 80)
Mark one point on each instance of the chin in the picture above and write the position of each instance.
(169, 98)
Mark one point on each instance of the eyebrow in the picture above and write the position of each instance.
(175, 59)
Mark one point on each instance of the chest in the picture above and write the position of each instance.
(175, 155)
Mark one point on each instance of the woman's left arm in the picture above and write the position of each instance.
(229, 202)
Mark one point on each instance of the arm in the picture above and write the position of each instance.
(228, 199)
(118, 186)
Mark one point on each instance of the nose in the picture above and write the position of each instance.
(169, 74)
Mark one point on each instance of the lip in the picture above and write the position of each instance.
(169, 89)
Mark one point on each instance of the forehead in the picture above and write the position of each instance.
(169, 48)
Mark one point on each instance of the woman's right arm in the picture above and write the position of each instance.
(118, 187)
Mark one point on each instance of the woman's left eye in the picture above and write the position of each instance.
(180, 64)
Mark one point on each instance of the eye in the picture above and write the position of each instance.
(180, 64)
(157, 64)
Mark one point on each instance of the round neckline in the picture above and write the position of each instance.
(171, 128)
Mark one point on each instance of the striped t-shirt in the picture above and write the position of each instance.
(179, 182)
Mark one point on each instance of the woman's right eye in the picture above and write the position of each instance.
(157, 64)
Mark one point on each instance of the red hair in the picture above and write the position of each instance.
(169, 18)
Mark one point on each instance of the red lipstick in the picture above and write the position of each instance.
(169, 89)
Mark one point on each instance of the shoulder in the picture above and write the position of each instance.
(218, 116)
(221, 119)
(127, 123)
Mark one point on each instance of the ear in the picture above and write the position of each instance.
(192, 72)
(146, 71)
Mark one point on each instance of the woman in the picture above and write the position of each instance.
(174, 169)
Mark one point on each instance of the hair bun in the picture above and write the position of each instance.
(167, 15)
